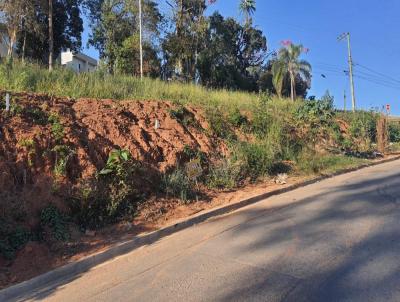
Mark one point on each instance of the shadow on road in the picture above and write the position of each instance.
(338, 244)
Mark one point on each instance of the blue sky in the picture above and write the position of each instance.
(374, 27)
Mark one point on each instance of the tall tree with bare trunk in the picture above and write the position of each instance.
(16, 13)
(51, 36)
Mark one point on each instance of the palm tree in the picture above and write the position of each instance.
(288, 63)
(247, 7)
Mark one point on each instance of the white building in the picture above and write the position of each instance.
(3, 41)
(78, 61)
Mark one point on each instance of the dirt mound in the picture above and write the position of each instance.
(91, 129)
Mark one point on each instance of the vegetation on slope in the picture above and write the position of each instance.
(264, 136)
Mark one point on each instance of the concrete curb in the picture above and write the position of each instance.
(80, 266)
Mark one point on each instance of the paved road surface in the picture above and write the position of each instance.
(337, 240)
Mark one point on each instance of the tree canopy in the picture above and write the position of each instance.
(180, 41)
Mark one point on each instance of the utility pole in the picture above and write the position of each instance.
(140, 39)
(353, 97)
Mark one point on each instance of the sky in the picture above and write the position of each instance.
(375, 40)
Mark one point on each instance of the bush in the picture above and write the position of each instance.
(237, 119)
(226, 174)
(12, 238)
(316, 113)
(394, 132)
(110, 196)
(256, 159)
(178, 185)
(218, 124)
(56, 222)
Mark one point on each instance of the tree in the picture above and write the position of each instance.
(67, 30)
(288, 63)
(233, 55)
(248, 8)
(114, 25)
(266, 82)
(15, 14)
(182, 46)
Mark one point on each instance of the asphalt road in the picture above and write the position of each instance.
(337, 240)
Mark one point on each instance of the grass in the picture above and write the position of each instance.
(327, 164)
(99, 84)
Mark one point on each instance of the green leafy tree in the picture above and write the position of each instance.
(233, 55)
(67, 30)
(115, 28)
(182, 46)
(288, 63)
(16, 16)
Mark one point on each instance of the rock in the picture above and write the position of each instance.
(281, 179)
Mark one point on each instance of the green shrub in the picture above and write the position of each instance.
(316, 113)
(191, 153)
(218, 124)
(237, 119)
(394, 132)
(226, 174)
(56, 222)
(57, 129)
(177, 184)
(112, 195)
(12, 238)
(256, 159)
(63, 154)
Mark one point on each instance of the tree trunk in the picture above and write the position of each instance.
(51, 36)
(292, 87)
(24, 47)
(13, 39)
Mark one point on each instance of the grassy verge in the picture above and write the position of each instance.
(64, 82)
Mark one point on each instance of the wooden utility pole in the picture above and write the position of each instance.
(350, 59)
(140, 39)
(51, 36)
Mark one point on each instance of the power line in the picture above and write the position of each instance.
(378, 73)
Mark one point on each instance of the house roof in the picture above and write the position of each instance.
(84, 57)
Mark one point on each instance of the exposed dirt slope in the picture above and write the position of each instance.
(92, 128)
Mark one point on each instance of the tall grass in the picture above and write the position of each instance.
(99, 84)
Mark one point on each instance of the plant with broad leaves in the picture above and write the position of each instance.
(115, 162)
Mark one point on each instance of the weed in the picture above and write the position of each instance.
(178, 185)
(29, 145)
(193, 153)
(37, 115)
(112, 195)
(237, 119)
(57, 129)
(226, 174)
(63, 154)
(218, 125)
(184, 116)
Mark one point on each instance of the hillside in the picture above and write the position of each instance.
(75, 167)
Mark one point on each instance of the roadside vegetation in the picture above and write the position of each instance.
(253, 107)
(266, 136)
